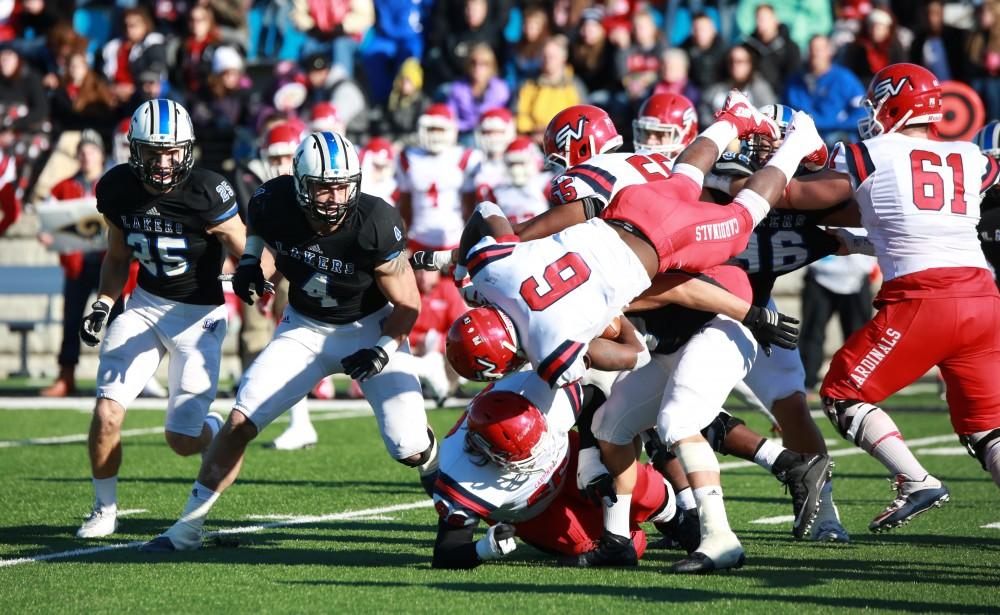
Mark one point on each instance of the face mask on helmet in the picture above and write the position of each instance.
(161, 166)
(279, 165)
(759, 148)
(532, 464)
(330, 201)
(327, 176)
(651, 137)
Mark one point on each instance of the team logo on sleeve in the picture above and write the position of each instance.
(398, 233)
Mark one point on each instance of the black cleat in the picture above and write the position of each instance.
(682, 531)
(805, 479)
(160, 544)
(699, 563)
(612, 550)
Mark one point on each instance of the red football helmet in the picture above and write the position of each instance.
(495, 131)
(278, 148)
(523, 160)
(669, 120)
(577, 133)
(378, 151)
(900, 95)
(508, 430)
(482, 345)
(437, 128)
(325, 117)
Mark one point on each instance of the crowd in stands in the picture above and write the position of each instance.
(371, 68)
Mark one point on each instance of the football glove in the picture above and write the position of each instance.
(93, 323)
(365, 363)
(498, 542)
(593, 479)
(771, 327)
(249, 279)
(431, 260)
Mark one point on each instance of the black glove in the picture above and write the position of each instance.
(770, 327)
(93, 322)
(248, 279)
(365, 363)
(599, 488)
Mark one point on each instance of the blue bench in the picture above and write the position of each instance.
(27, 280)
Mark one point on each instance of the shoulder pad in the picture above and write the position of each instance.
(735, 164)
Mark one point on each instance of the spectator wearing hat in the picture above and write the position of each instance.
(328, 82)
(776, 55)
(479, 91)
(396, 36)
(674, 66)
(592, 57)
(138, 50)
(553, 90)
(82, 99)
(937, 46)
(705, 50)
(876, 46)
(81, 270)
(828, 92)
(407, 102)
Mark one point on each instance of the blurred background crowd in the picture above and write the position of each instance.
(71, 73)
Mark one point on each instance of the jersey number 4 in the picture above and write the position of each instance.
(317, 287)
(930, 177)
(559, 278)
(159, 255)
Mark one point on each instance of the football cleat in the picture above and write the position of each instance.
(746, 118)
(721, 551)
(912, 498)
(805, 481)
(101, 522)
(682, 531)
(295, 438)
(829, 530)
(180, 537)
(612, 551)
(160, 544)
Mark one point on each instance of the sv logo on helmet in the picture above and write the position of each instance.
(567, 133)
(886, 88)
(489, 369)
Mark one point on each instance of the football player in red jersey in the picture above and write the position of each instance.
(666, 124)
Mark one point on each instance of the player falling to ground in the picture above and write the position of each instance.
(175, 220)
(352, 302)
(510, 462)
(920, 202)
(550, 297)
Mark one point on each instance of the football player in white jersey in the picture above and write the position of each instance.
(378, 170)
(920, 203)
(436, 182)
(494, 134)
(522, 194)
(510, 461)
(176, 220)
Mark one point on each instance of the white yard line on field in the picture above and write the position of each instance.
(991, 526)
(223, 404)
(131, 511)
(781, 520)
(944, 451)
(144, 431)
(247, 529)
(729, 465)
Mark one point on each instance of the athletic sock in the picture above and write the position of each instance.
(767, 454)
(617, 516)
(298, 415)
(106, 492)
(879, 437)
(827, 509)
(711, 510)
(199, 503)
(685, 500)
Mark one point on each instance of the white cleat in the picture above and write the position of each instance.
(101, 522)
(295, 438)
(720, 551)
(180, 537)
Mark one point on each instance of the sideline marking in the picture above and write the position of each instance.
(775, 520)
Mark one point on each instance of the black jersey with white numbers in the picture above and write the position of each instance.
(167, 232)
(331, 277)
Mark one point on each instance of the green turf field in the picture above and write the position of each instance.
(370, 549)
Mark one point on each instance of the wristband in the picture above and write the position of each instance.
(388, 344)
(107, 301)
(254, 247)
(722, 183)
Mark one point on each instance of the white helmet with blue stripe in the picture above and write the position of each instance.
(988, 139)
(327, 172)
(161, 132)
(760, 148)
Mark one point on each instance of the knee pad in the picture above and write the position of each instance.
(847, 415)
(717, 430)
(984, 446)
(426, 456)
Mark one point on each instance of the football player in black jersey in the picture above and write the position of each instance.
(176, 220)
(352, 302)
(988, 140)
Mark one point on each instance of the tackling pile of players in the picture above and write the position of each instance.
(619, 314)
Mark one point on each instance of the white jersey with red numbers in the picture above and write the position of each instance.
(385, 188)
(560, 291)
(469, 488)
(520, 203)
(436, 183)
(919, 199)
(605, 174)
